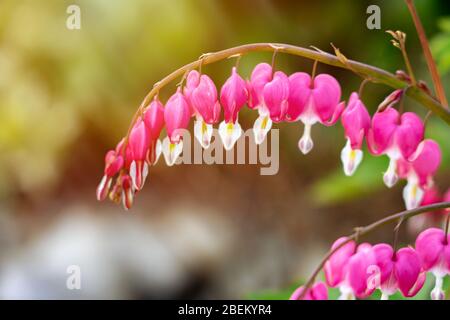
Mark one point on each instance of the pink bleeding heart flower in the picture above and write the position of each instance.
(356, 122)
(138, 143)
(433, 247)
(399, 270)
(395, 135)
(335, 267)
(360, 269)
(154, 122)
(276, 95)
(349, 269)
(201, 93)
(426, 220)
(233, 97)
(113, 164)
(126, 184)
(318, 291)
(261, 75)
(176, 115)
(311, 101)
(419, 170)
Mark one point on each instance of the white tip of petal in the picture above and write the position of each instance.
(103, 188)
(158, 151)
(203, 132)
(133, 172)
(412, 194)
(261, 127)
(437, 293)
(171, 151)
(351, 158)
(306, 144)
(390, 177)
(229, 133)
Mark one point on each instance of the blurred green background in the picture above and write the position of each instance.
(220, 231)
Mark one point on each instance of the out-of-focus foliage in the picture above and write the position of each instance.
(440, 45)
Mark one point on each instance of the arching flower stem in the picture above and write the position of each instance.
(372, 73)
(360, 231)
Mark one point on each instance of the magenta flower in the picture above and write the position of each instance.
(401, 270)
(113, 163)
(154, 122)
(348, 269)
(125, 183)
(233, 97)
(138, 143)
(419, 170)
(261, 75)
(311, 101)
(395, 135)
(201, 94)
(433, 247)
(176, 115)
(318, 291)
(356, 122)
(359, 271)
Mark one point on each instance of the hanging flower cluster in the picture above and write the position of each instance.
(359, 270)
(277, 97)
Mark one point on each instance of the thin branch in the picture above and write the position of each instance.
(360, 231)
(373, 73)
(427, 52)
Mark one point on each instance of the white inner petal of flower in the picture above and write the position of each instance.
(229, 133)
(412, 193)
(351, 158)
(306, 144)
(203, 132)
(390, 177)
(261, 127)
(171, 151)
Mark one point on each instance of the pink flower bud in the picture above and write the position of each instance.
(336, 267)
(276, 94)
(233, 96)
(176, 116)
(138, 143)
(154, 119)
(202, 95)
(113, 164)
(127, 191)
(318, 291)
(400, 271)
(356, 122)
(261, 75)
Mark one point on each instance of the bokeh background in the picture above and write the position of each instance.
(195, 231)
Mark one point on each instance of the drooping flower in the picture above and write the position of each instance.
(201, 93)
(419, 169)
(233, 97)
(176, 115)
(395, 135)
(318, 291)
(399, 270)
(348, 268)
(433, 248)
(261, 75)
(358, 273)
(113, 163)
(356, 122)
(154, 122)
(138, 143)
(311, 101)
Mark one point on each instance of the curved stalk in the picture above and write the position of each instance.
(364, 230)
(372, 73)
